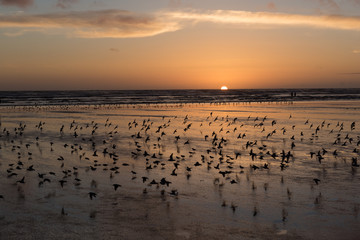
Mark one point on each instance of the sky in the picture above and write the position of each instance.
(179, 44)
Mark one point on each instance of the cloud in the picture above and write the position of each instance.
(18, 3)
(356, 51)
(22, 32)
(65, 3)
(94, 24)
(268, 18)
(125, 24)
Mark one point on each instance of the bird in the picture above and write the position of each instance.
(174, 192)
(153, 182)
(92, 195)
(62, 182)
(173, 173)
(63, 212)
(41, 175)
(233, 207)
(255, 211)
(164, 182)
(316, 180)
(21, 181)
(115, 185)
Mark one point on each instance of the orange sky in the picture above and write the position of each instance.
(176, 48)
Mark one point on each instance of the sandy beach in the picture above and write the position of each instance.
(191, 171)
(179, 120)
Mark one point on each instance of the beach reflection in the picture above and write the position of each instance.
(181, 171)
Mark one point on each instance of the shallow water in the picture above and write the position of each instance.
(263, 203)
(123, 97)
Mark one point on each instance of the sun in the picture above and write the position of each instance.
(224, 88)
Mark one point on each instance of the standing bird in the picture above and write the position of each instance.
(92, 195)
(115, 185)
(62, 183)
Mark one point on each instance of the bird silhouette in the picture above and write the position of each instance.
(92, 195)
(316, 180)
(115, 185)
(21, 181)
(62, 182)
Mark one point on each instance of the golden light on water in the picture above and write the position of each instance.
(224, 88)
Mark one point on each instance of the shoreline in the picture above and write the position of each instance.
(115, 106)
(177, 97)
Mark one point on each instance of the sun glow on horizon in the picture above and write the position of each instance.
(224, 88)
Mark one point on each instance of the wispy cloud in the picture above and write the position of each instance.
(18, 3)
(124, 24)
(94, 24)
(356, 51)
(23, 31)
(268, 18)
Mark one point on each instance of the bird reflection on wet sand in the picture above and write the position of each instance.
(222, 166)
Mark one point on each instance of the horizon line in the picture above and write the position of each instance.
(178, 89)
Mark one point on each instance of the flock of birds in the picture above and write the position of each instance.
(224, 147)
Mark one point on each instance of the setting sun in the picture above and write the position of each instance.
(224, 88)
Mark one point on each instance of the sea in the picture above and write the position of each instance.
(124, 97)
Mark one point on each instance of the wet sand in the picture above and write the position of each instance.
(197, 171)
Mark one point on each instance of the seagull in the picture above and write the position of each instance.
(316, 180)
(115, 185)
(91, 195)
(62, 182)
(21, 181)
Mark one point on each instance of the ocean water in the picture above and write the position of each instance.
(241, 189)
(30, 98)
